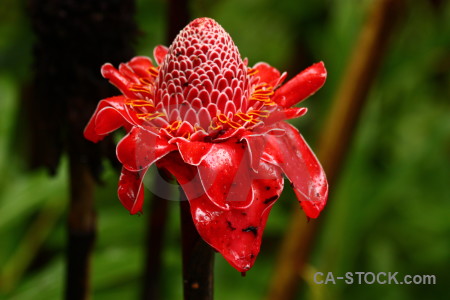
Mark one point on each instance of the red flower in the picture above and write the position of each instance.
(218, 127)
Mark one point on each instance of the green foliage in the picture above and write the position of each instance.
(389, 211)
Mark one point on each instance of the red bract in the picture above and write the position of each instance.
(218, 127)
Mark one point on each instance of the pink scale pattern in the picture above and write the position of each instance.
(203, 79)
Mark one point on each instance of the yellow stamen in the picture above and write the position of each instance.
(259, 113)
(259, 98)
(153, 71)
(150, 116)
(174, 126)
(139, 103)
(234, 124)
(139, 88)
(217, 125)
(145, 81)
(251, 71)
(222, 118)
(186, 135)
(254, 121)
(262, 93)
(244, 117)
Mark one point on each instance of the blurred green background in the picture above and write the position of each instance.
(389, 211)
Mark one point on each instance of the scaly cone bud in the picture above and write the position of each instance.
(202, 76)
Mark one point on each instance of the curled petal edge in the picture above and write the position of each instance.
(110, 114)
(131, 191)
(140, 148)
(269, 74)
(297, 161)
(303, 85)
(159, 53)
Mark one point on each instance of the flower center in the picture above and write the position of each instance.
(204, 82)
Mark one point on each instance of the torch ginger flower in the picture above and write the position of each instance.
(218, 127)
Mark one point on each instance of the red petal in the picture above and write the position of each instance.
(108, 120)
(126, 70)
(140, 148)
(131, 191)
(256, 142)
(109, 115)
(236, 232)
(230, 133)
(192, 152)
(226, 174)
(255, 145)
(285, 114)
(267, 73)
(140, 66)
(118, 79)
(301, 86)
(129, 74)
(186, 175)
(291, 153)
(159, 53)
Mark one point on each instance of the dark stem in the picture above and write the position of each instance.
(157, 222)
(81, 231)
(178, 17)
(198, 258)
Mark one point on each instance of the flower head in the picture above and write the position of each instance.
(218, 127)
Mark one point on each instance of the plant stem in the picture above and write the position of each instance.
(157, 222)
(81, 231)
(198, 258)
(178, 17)
(335, 141)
